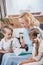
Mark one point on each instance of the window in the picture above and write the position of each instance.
(2, 8)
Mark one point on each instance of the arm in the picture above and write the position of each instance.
(2, 51)
(21, 40)
(37, 43)
(15, 44)
(28, 61)
(8, 51)
(22, 43)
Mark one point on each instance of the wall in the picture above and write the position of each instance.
(14, 6)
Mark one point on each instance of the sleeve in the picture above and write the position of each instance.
(0, 44)
(27, 40)
(16, 43)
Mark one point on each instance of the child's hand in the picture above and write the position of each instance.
(10, 50)
(21, 63)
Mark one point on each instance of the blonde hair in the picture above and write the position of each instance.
(3, 29)
(30, 19)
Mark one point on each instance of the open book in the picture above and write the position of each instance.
(19, 52)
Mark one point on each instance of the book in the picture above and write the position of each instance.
(19, 52)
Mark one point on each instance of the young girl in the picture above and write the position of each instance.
(8, 44)
(37, 53)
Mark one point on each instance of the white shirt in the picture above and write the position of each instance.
(6, 45)
(15, 43)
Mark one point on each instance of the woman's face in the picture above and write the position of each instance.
(23, 23)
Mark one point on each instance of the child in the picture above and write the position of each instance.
(8, 44)
(37, 53)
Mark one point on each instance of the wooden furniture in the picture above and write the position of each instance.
(14, 20)
(39, 17)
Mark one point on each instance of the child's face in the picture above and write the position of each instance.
(8, 34)
(37, 38)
